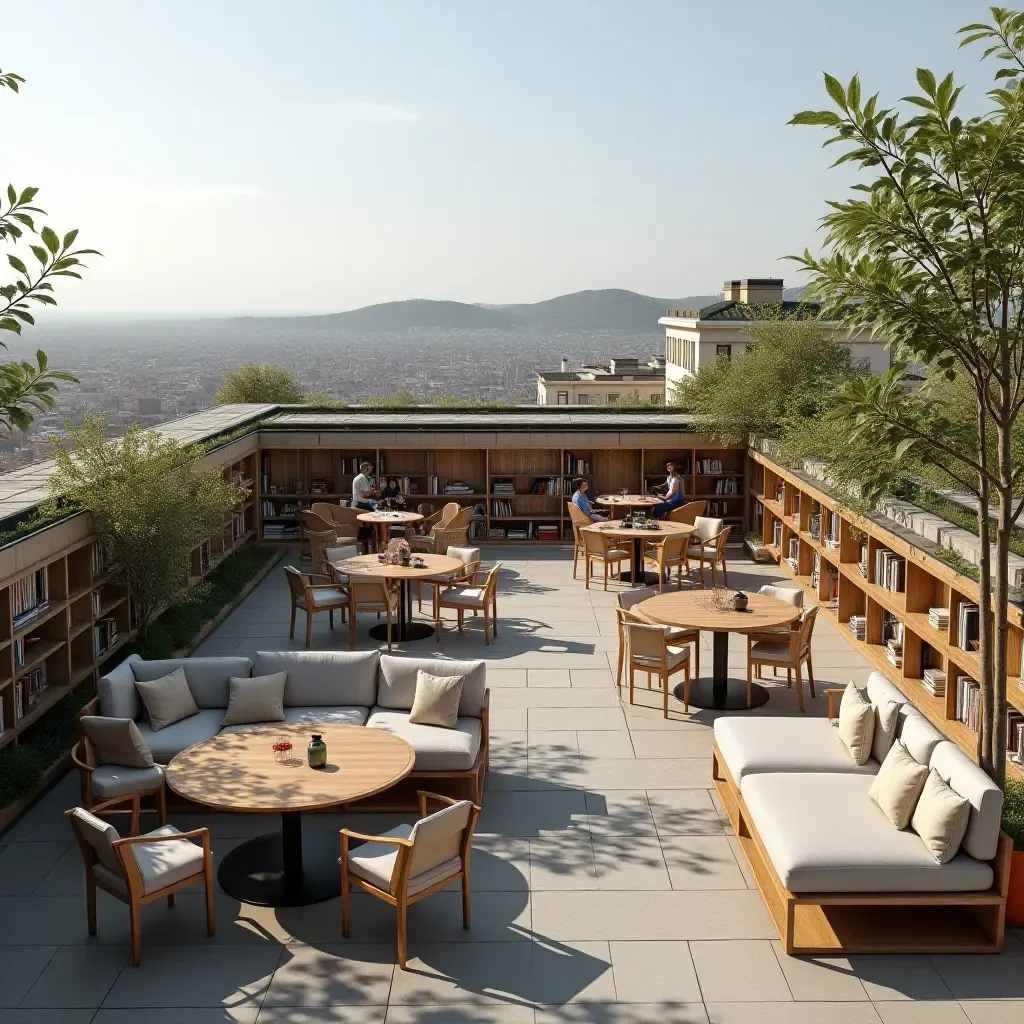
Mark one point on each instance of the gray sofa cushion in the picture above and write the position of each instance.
(438, 750)
(822, 833)
(396, 685)
(986, 799)
(175, 738)
(117, 693)
(110, 780)
(323, 678)
(755, 745)
(207, 677)
(314, 716)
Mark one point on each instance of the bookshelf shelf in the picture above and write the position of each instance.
(928, 584)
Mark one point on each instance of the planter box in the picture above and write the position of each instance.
(757, 551)
(1015, 897)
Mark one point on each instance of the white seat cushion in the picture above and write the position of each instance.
(110, 780)
(762, 650)
(436, 749)
(612, 553)
(375, 862)
(173, 739)
(695, 550)
(466, 597)
(752, 746)
(823, 833)
(675, 657)
(321, 598)
(162, 864)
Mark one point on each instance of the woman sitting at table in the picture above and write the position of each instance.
(673, 492)
(391, 494)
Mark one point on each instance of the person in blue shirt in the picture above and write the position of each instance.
(582, 502)
(673, 492)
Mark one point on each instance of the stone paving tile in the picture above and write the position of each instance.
(630, 863)
(681, 812)
(245, 1014)
(654, 971)
(701, 862)
(739, 971)
(899, 977)
(820, 979)
(35, 1016)
(332, 975)
(20, 966)
(77, 976)
(625, 812)
(790, 1013)
(494, 1013)
(933, 1011)
(624, 1013)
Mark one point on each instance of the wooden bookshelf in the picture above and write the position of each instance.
(853, 556)
(518, 488)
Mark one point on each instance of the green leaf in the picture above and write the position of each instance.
(816, 117)
(835, 89)
(12, 196)
(853, 93)
(69, 238)
(17, 264)
(41, 254)
(50, 240)
(926, 80)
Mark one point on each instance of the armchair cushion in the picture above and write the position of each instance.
(765, 650)
(117, 741)
(375, 862)
(439, 750)
(163, 864)
(465, 597)
(325, 598)
(706, 551)
(323, 678)
(396, 683)
(256, 699)
(674, 656)
(111, 780)
(167, 699)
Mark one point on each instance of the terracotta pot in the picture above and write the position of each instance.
(1015, 898)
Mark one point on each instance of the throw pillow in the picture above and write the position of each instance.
(898, 785)
(117, 741)
(856, 723)
(255, 699)
(167, 699)
(887, 718)
(436, 701)
(941, 817)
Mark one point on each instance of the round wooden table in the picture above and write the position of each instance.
(385, 519)
(639, 536)
(238, 772)
(627, 502)
(368, 565)
(692, 609)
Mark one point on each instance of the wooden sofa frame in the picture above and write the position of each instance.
(870, 922)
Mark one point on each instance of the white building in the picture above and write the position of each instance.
(694, 337)
(599, 385)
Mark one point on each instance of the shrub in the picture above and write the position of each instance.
(1013, 813)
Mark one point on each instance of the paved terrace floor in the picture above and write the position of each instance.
(606, 885)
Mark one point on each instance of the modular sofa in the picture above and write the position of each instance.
(833, 870)
(346, 687)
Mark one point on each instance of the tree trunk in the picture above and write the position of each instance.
(985, 645)
(997, 741)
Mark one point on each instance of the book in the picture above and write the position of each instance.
(967, 626)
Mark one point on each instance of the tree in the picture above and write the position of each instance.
(790, 373)
(259, 383)
(149, 502)
(28, 387)
(930, 256)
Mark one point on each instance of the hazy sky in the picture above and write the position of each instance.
(310, 156)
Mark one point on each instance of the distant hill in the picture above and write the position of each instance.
(602, 309)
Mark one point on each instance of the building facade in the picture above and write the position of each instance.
(695, 337)
(620, 378)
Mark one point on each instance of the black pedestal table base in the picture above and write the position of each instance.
(290, 868)
(406, 629)
(720, 693)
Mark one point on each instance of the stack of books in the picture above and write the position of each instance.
(968, 701)
(547, 532)
(967, 627)
(935, 682)
(858, 626)
(938, 618)
(892, 633)
(502, 487)
(890, 570)
(496, 533)
(280, 531)
(517, 533)
(458, 487)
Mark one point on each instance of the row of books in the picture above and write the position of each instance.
(576, 466)
(1015, 734)
(727, 485)
(830, 589)
(777, 534)
(890, 571)
(814, 525)
(104, 635)
(549, 485)
(710, 467)
(270, 509)
(832, 531)
(99, 560)
(31, 597)
(718, 508)
(478, 529)
(29, 690)
(967, 626)
(501, 508)
(280, 531)
(237, 525)
(968, 701)
(862, 561)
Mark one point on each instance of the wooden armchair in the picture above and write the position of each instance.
(108, 785)
(470, 596)
(707, 545)
(648, 649)
(313, 592)
(669, 554)
(370, 594)
(787, 650)
(470, 558)
(141, 869)
(410, 862)
(598, 548)
(579, 519)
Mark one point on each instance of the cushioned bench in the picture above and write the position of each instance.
(348, 687)
(835, 873)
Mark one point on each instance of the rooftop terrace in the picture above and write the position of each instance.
(607, 885)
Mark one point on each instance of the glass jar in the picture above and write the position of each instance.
(316, 752)
(282, 750)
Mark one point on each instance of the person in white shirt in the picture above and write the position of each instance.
(363, 492)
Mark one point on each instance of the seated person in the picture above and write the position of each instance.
(673, 488)
(391, 494)
(582, 502)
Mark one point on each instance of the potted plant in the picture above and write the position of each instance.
(1013, 826)
(756, 549)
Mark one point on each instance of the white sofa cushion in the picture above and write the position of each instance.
(940, 817)
(917, 734)
(823, 834)
(396, 685)
(323, 678)
(207, 678)
(314, 716)
(898, 784)
(856, 723)
(175, 738)
(981, 839)
(754, 745)
(437, 749)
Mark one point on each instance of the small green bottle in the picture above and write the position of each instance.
(316, 752)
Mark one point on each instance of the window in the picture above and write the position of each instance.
(723, 351)
(613, 398)
(583, 400)
(655, 399)
(563, 397)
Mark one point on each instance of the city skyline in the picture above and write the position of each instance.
(232, 159)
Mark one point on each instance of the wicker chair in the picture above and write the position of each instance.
(341, 518)
(428, 542)
(456, 533)
(687, 513)
(319, 542)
